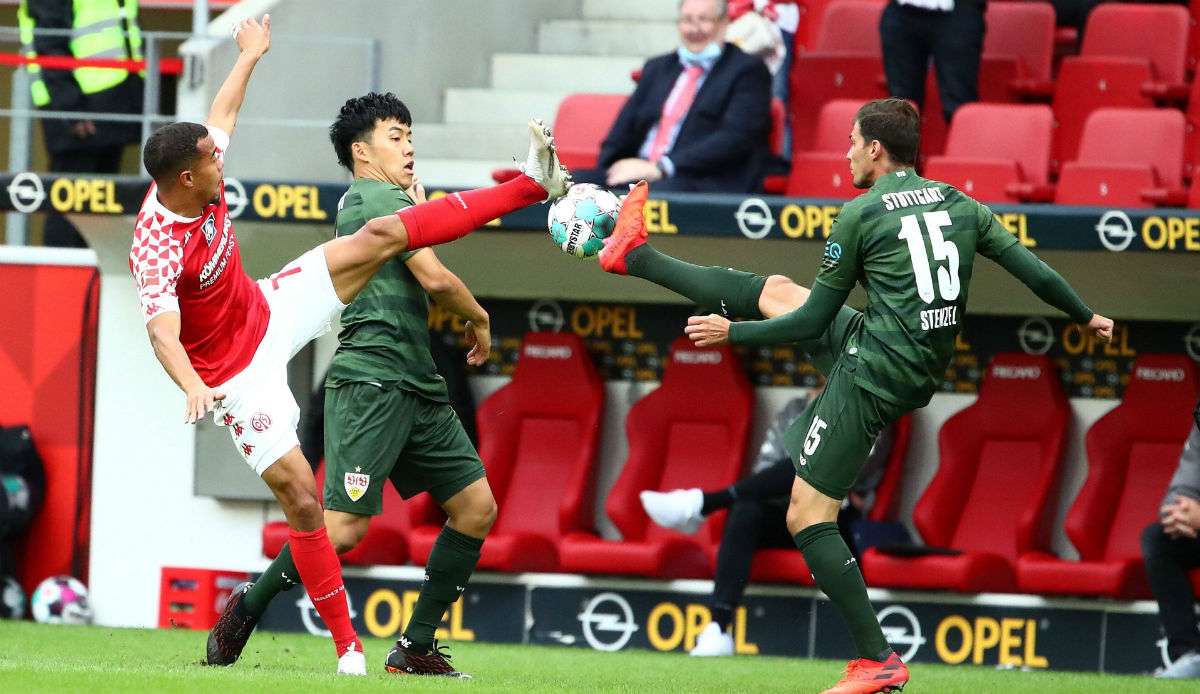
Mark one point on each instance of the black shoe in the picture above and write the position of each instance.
(231, 632)
(404, 659)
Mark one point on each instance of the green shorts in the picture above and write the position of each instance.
(374, 434)
(830, 443)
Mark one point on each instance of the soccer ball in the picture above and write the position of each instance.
(580, 220)
(12, 599)
(61, 600)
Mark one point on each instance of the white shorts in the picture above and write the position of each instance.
(259, 409)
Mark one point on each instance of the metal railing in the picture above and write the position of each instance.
(22, 113)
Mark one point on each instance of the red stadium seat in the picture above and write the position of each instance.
(842, 65)
(823, 171)
(538, 439)
(1018, 51)
(786, 565)
(581, 124)
(1086, 84)
(1193, 35)
(1132, 452)
(690, 432)
(1158, 33)
(994, 148)
(989, 496)
(1127, 157)
(1191, 149)
(385, 541)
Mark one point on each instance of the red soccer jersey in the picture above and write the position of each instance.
(194, 267)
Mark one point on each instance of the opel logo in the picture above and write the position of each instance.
(1191, 342)
(546, 315)
(310, 618)
(1035, 335)
(26, 192)
(903, 630)
(235, 197)
(607, 621)
(1115, 230)
(754, 218)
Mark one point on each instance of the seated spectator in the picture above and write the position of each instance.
(699, 118)
(1170, 548)
(757, 518)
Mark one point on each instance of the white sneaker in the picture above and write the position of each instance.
(676, 510)
(713, 642)
(352, 662)
(542, 163)
(1186, 666)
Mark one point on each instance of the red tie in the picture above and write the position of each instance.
(674, 111)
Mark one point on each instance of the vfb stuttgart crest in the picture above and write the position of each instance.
(356, 484)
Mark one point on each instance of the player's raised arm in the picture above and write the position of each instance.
(253, 40)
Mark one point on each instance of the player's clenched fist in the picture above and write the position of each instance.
(253, 37)
(708, 331)
(1101, 327)
(200, 401)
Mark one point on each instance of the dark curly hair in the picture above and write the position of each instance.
(358, 117)
(171, 149)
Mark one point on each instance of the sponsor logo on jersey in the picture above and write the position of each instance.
(833, 255)
(547, 352)
(690, 356)
(754, 218)
(1148, 374)
(260, 422)
(212, 270)
(1017, 373)
(356, 484)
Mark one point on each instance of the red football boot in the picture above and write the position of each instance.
(865, 676)
(629, 232)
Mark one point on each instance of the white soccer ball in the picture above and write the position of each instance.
(61, 600)
(580, 220)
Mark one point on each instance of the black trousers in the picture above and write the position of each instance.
(1168, 561)
(752, 524)
(954, 40)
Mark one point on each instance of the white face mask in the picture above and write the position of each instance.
(709, 53)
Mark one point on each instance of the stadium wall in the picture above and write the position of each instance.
(425, 46)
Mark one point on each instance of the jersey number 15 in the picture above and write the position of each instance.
(910, 231)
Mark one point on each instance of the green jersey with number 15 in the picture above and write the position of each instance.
(911, 242)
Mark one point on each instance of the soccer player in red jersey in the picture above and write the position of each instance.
(225, 340)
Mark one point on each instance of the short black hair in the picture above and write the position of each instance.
(357, 119)
(171, 149)
(895, 123)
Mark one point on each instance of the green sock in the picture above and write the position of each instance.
(837, 573)
(732, 293)
(281, 575)
(449, 568)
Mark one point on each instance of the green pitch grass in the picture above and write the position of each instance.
(37, 658)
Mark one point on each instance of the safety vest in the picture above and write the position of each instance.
(98, 31)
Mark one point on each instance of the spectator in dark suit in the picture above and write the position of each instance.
(699, 118)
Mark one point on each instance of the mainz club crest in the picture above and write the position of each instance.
(260, 422)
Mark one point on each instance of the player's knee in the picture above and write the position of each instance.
(800, 517)
(478, 517)
(346, 537)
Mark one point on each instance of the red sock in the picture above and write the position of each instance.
(321, 574)
(458, 214)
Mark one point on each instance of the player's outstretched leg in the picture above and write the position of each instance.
(732, 293)
(458, 214)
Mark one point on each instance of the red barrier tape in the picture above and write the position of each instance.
(166, 66)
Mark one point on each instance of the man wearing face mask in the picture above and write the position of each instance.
(699, 118)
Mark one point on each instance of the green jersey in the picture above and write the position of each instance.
(911, 242)
(385, 331)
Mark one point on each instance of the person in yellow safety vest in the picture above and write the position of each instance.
(98, 29)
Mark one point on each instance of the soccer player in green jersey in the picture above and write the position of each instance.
(911, 242)
(387, 412)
